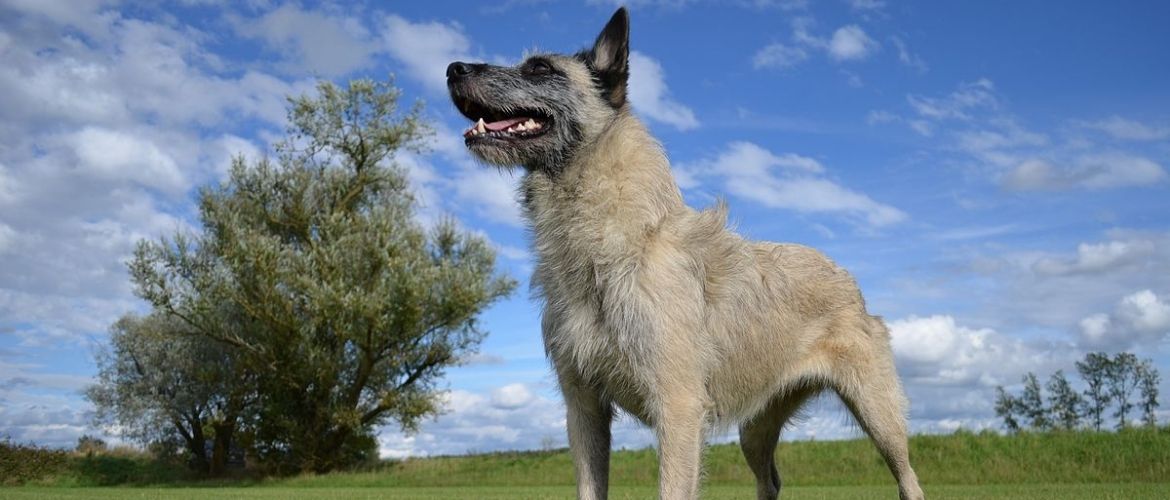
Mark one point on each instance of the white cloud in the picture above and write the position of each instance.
(1093, 172)
(136, 69)
(850, 43)
(425, 48)
(787, 5)
(779, 55)
(89, 16)
(650, 96)
(38, 406)
(424, 181)
(853, 79)
(1142, 317)
(908, 58)
(1130, 130)
(923, 127)
(787, 181)
(1000, 143)
(511, 417)
(513, 253)
(958, 104)
(936, 350)
(1058, 289)
(511, 396)
(470, 188)
(975, 123)
(1096, 258)
(881, 116)
(8, 187)
(225, 148)
(974, 233)
(802, 34)
(8, 238)
(117, 155)
(491, 194)
(313, 41)
(102, 137)
(950, 371)
(867, 5)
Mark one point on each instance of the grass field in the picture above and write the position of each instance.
(1124, 491)
(1132, 464)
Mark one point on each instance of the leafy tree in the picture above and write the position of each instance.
(1007, 407)
(1148, 379)
(348, 310)
(91, 445)
(1094, 370)
(1032, 403)
(1064, 403)
(1123, 380)
(157, 380)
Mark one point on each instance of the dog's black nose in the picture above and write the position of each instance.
(458, 69)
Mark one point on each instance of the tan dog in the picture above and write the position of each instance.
(658, 309)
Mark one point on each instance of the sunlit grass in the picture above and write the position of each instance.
(1124, 491)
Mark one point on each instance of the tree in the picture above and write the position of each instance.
(156, 380)
(1032, 403)
(1007, 407)
(90, 445)
(1064, 403)
(349, 310)
(1094, 370)
(1148, 380)
(1122, 380)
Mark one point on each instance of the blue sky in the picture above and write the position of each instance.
(994, 173)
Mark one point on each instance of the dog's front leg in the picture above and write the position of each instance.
(588, 418)
(680, 428)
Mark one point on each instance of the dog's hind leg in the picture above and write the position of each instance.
(868, 384)
(588, 420)
(758, 437)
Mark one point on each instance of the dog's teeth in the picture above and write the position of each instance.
(530, 123)
(480, 127)
(520, 127)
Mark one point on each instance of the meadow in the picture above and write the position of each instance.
(1132, 464)
(1121, 491)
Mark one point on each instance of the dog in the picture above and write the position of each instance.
(657, 309)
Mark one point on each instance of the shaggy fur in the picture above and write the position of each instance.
(658, 309)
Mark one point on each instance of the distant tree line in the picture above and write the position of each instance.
(308, 309)
(1121, 386)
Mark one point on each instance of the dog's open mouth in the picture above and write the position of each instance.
(508, 128)
(492, 124)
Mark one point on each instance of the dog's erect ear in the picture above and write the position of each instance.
(610, 57)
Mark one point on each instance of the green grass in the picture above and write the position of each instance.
(1135, 455)
(1124, 491)
(1133, 464)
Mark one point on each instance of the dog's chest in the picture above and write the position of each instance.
(596, 320)
(594, 313)
(611, 354)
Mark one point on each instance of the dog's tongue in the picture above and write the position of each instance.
(504, 124)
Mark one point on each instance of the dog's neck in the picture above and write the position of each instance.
(616, 190)
(623, 158)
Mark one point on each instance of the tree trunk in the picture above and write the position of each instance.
(221, 447)
(196, 445)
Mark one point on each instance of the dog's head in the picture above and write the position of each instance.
(537, 113)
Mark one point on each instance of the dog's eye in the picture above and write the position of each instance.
(538, 67)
